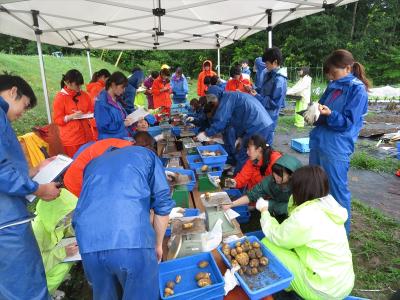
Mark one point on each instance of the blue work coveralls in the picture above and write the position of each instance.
(247, 117)
(112, 223)
(272, 96)
(179, 89)
(22, 273)
(332, 140)
(260, 72)
(109, 117)
(134, 81)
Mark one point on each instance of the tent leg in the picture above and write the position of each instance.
(89, 63)
(43, 75)
(270, 38)
(119, 57)
(219, 62)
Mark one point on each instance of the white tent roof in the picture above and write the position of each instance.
(140, 24)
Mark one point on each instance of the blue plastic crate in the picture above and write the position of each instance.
(177, 130)
(221, 159)
(212, 170)
(154, 130)
(190, 173)
(233, 193)
(191, 161)
(180, 108)
(274, 278)
(189, 212)
(301, 145)
(244, 218)
(187, 267)
(258, 234)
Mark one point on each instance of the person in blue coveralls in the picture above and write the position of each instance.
(119, 245)
(241, 111)
(341, 107)
(22, 274)
(134, 82)
(245, 67)
(111, 117)
(260, 70)
(273, 90)
(179, 86)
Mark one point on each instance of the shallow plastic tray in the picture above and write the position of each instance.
(190, 173)
(221, 159)
(301, 145)
(189, 212)
(187, 268)
(274, 278)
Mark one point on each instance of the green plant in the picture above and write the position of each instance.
(363, 160)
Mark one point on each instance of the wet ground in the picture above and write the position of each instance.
(379, 190)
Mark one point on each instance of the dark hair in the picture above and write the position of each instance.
(306, 71)
(203, 100)
(272, 54)
(8, 81)
(165, 72)
(340, 59)
(194, 102)
(235, 70)
(144, 139)
(210, 108)
(154, 74)
(278, 170)
(179, 70)
(309, 183)
(259, 142)
(245, 61)
(118, 78)
(100, 73)
(207, 80)
(72, 76)
(207, 63)
(214, 80)
(134, 69)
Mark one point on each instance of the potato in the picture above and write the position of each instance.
(168, 292)
(239, 250)
(170, 284)
(203, 264)
(187, 225)
(259, 253)
(254, 263)
(256, 245)
(263, 261)
(204, 168)
(242, 259)
(238, 244)
(234, 263)
(254, 271)
(234, 252)
(252, 253)
(202, 275)
(178, 278)
(204, 282)
(226, 251)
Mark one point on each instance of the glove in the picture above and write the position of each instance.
(230, 183)
(230, 280)
(176, 212)
(159, 137)
(184, 116)
(202, 137)
(189, 119)
(171, 176)
(262, 204)
(312, 114)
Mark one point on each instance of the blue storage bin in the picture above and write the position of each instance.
(187, 267)
(190, 173)
(244, 218)
(301, 145)
(180, 108)
(191, 161)
(209, 160)
(189, 212)
(212, 170)
(154, 130)
(258, 234)
(275, 278)
(234, 193)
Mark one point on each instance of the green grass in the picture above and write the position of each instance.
(28, 68)
(375, 245)
(365, 161)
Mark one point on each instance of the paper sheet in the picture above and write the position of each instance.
(51, 172)
(65, 242)
(138, 114)
(232, 214)
(85, 116)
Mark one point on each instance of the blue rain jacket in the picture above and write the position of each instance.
(15, 182)
(215, 90)
(200, 119)
(246, 71)
(335, 135)
(109, 117)
(242, 111)
(273, 92)
(119, 189)
(260, 67)
(179, 87)
(134, 81)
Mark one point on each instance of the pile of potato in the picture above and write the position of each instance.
(211, 153)
(248, 256)
(170, 285)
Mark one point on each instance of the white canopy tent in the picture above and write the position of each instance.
(148, 24)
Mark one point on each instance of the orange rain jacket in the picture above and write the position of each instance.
(161, 98)
(93, 89)
(235, 85)
(250, 174)
(201, 88)
(74, 132)
(73, 178)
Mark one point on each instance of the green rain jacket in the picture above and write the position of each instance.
(315, 231)
(51, 224)
(278, 204)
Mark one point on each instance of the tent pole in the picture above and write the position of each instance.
(89, 63)
(119, 57)
(43, 75)
(269, 28)
(219, 62)
(270, 38)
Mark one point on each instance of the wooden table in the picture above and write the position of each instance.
(195, 202)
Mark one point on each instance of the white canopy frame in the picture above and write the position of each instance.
(148, 25)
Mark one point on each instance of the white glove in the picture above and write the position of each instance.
(230, 280)
(171, 176)
(312, 113)
(159, 137)
(202, 137)
(176, 212)
(184, 116)
(230, 183)
(189, 119)
(262, 204)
